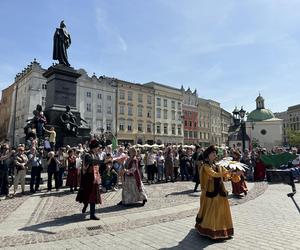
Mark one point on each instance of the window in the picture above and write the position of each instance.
(158, 115)
(99, 108)
(88, 94)
(149, 99)
(129, 110)
(140, 97)
(149, 111)
(178, 105)
(165, 129)
(195, 134)
(179, 130)
(195, 124)
(121, 125)
(129, 96)
(158, 129)
(122, 94)
(108, 98)
(190, 123)
(173, 104)
(43, 101)
(173, 129)
(185, 123)
(165, 103)
(148, 128)
(122, 109)
(108, 125)
(140, 127)
(263, 131)
(190, 134)
(158, 102)
(99, 124)
(186, 134)
(109, 110)
(173, 115)
(89, 122)
(44, 86)
(129, 127)
(165, 114)
(89, 107)
(140, 111)
(99, 96)
(200, 135)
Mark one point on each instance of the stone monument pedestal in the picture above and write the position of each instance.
(61, 92)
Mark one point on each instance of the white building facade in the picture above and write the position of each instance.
(96, 102)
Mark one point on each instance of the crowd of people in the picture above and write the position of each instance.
(91, 169)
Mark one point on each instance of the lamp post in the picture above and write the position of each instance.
(242, 113)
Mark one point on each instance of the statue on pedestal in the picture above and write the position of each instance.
(62, 41)
(36, 124)
(69, 122)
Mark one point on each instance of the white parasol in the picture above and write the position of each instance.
(228, 163)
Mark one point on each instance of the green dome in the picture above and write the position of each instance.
(260, 115)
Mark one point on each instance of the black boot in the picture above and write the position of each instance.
(144, 202)
(92, 212)
(84, 208)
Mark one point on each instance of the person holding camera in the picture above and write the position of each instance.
(52, 164)
(35, 162)
(20, 164)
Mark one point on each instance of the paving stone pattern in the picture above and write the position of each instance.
(60, 209)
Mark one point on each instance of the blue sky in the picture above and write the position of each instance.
(228, 50)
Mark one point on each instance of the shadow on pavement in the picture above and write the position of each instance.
(194, 241)
(61, 221)
(116, 208)
(188, 192)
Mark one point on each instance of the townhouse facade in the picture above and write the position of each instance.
(168, 118)
(190, 116)
(134, 113)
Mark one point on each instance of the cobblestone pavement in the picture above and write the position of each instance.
(55, 216)
(270, 221)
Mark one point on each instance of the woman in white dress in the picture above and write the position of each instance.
(133, 188)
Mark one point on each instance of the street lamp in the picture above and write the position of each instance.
(242, 113)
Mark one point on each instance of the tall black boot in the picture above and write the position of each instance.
(92, 212)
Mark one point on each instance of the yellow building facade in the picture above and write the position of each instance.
(135, 113)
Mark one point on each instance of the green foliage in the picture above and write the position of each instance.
(255, 143)
(293, 137)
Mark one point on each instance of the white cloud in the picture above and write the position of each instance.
(106, 29)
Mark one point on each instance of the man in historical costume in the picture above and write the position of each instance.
(238, 182)
(197, 159)
(62, 41)
(133, 188)
(89, 192)
(214, 216)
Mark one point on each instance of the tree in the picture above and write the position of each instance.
(293, 137)
(255, 143)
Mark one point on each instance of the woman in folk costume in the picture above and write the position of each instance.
(89, 192)
(133, 188)
(72, 178)
(238, 182)
(214, 217)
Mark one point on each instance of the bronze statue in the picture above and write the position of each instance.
(69, 121)
(36, 124)
(62, 41)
